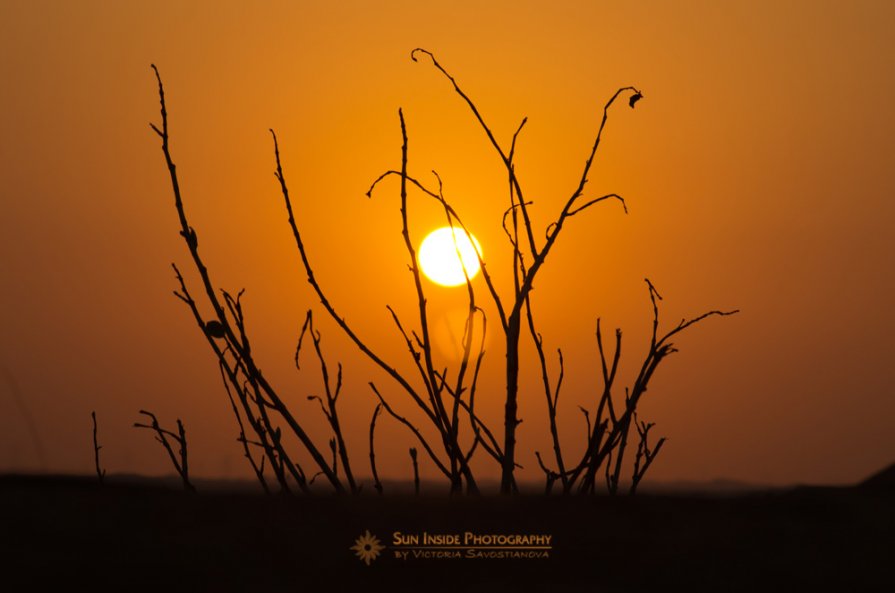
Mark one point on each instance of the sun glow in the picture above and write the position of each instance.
(444, 254)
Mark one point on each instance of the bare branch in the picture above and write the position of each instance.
(100, 473)
(258, 469)
(413, 429)
(330, 411)
(181, 465)
(504, 157)
(552, 476)
(390, 370)
(590, 203)
(416, 472)
(645, 455)
(459, 221)
(376, 483)
(223, 330)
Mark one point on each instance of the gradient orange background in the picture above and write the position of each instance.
(758, 172)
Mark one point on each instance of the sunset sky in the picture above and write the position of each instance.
(758, 170)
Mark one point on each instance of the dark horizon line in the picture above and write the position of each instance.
(713, 486)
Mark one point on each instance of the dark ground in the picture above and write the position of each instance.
(71, 534)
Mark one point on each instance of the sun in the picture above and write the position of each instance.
(444, 254)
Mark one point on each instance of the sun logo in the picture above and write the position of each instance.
(367, 547)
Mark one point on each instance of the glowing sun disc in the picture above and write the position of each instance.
(439, 260)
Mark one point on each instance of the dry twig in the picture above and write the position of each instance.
(227, 326)
(162, 435)
(100, 473)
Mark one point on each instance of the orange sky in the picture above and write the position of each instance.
(757, 171)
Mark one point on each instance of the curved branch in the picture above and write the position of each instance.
(590, 203)
(312, 280)
(453, 213)
(376, 483)
(507, 161)
(412, 429)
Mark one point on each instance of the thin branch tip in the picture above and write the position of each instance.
(419, 49)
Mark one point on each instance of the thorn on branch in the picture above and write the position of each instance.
(191, 239)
